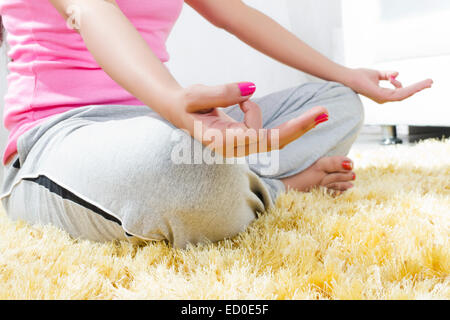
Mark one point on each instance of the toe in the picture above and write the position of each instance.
(340, 186)
(338, 177)
(335, 164)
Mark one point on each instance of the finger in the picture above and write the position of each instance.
(390, 76)
(404, 93)
(203, 98)
(242, 139)
(253, 138)
(295, 128)
(387, 75)
(237, 142)
(252, 114)
(241, 142)
(237, 134)
(395, 83)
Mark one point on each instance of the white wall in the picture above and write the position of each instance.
(201, 53)
(409, 36)
(319, 24)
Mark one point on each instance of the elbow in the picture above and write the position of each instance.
(227, 16)
(221, 23)
(228, 25)
(230, 22)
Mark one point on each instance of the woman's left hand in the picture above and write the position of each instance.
(367, 83)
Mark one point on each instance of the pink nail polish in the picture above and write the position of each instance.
(247, 88)
(354, 177)
(321, 118)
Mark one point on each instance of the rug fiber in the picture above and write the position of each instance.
(387, 238)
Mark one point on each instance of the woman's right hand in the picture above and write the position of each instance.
(197, 112)
(125, 56)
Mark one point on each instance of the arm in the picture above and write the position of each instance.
(124, 55)
(267, 36)
(121, 51)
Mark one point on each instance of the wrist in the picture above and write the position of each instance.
(176, 108)
(348, 77)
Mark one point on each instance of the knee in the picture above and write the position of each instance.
(192, 201)
(354, 104)
(219, 203)
(352, 108)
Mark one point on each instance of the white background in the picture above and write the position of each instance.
(201, 53)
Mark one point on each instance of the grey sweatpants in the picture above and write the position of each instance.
(107, 172)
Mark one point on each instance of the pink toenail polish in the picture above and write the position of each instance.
(347, 165)
(247, 88)
(321, 118)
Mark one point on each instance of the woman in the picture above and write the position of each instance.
(92, 112)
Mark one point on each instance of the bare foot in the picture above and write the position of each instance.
(334, 173)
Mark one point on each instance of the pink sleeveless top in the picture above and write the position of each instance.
(51, 70)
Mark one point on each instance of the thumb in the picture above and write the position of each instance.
(202, 98)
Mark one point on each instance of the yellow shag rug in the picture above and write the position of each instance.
(388, 238)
